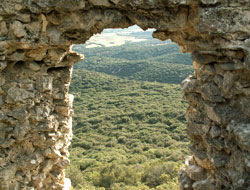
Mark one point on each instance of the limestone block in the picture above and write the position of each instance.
(201, 159)
(104, 3)
(18, 29)
(8, 172)
(1, 100)
(21, 130)
(71, 5)
(204, 58)
(19, 114)
(54, 35)
(228, 66)
(2, 58)
(37, 54)
(25, 18)
(7, 143)
(215, 132)
(55, 56)
(48, 165)
(17, 56)
(70, 100)
(160, 35)
(228, 81)
(19, 95)
(2, 131)
(34, 27)
(63, 110)
(206, 70)
(189, 84)
(219, 160)
(184, 181)
(3, 65)
(218, 79)
(241, 131)
(209, 2)
(34, 66)
(3, 28)
(195, 172)
(211, 92)
(45, 84)
(212, 113)
(203, 185)
(247, 163)
(115, 1)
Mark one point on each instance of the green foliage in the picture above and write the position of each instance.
(145, 61)
(128, 135)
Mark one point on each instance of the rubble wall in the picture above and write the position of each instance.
(35, 72)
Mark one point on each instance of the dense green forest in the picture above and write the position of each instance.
(145, 61)
(129, 133)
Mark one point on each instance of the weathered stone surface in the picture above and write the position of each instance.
(17, 29)
(203, 185)
(16, 94)
(3, 28)
(195, 172)
(34, 66)
(241, 133)
(185, 182)
(35, 71)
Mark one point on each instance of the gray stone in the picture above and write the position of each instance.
(3, 28)
(18, 94)
(204, 58)
(105, 3)
(215, 132)
(212, 113)
(189, 84)
(195, 172)
(2, 80)
(37, 54)
(34, 66)
(18, 30)
(209, 2)
(45, 84)
(17, 56)
(219, 160)
(3, 65)
(211, 92)
(228, 66)
(26, 18)
(241, 131)
(203, 185)
(228, 82)
(185, 181)
(9, 172)
(19, 114)
(1, 100)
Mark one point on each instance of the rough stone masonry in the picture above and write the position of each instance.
(35, 71)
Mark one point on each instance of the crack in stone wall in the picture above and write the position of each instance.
(35, 72)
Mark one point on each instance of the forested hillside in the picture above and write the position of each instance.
(128, 134)
(129, 123)
(145, 61)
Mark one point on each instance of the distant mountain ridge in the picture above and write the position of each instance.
(151, 61)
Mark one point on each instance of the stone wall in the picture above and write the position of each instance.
(35, 72)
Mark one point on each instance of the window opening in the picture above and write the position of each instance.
(129, 123)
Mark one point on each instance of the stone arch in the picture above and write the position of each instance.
(35, 72)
